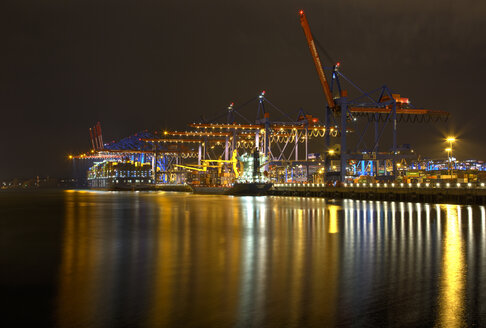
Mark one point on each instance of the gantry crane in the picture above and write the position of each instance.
(386, 107)
(317, 61)
(206, 164)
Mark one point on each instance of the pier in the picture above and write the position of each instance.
(457, 193)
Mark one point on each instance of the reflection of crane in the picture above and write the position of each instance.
(317, 61)
(206, 163)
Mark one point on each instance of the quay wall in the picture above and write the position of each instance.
(463, 194)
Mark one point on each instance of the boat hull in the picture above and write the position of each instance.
(238, 189)
(250, 189)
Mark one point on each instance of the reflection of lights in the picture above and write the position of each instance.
(437, 210)
(451, 301)
(427, 217)
(419, 222)
(483, 220)
(333, 219)
(470, 222)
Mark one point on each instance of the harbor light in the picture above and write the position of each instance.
(450, 140)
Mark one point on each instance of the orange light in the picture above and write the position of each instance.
(301, 12)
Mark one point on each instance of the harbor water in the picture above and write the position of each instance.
(81, 258)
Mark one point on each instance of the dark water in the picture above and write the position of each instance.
(106, 259)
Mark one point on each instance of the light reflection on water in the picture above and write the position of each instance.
(164, 259)
(451, 299)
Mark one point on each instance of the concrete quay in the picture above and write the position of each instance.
(455, 193)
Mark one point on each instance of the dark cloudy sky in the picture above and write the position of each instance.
(134, 65)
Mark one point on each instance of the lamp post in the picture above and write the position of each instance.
(449, 151)
(330, 153)
(451, 140)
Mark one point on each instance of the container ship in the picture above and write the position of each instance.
(114, 175)
(243, 175)
(225, 179)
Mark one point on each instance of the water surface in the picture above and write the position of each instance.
(123, 259)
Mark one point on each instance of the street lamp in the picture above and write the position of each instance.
(449, 152)
(450, 140)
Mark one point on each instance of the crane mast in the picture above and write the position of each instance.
(317, 61)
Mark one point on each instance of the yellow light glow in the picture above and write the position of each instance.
(331, 151)
(451, 139)
(448, 150)
(70, 156)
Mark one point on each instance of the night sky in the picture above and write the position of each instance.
(135, 65)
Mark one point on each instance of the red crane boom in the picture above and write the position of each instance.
(317, 61)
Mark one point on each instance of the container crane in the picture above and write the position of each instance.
(386, 108)
(317, 61)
